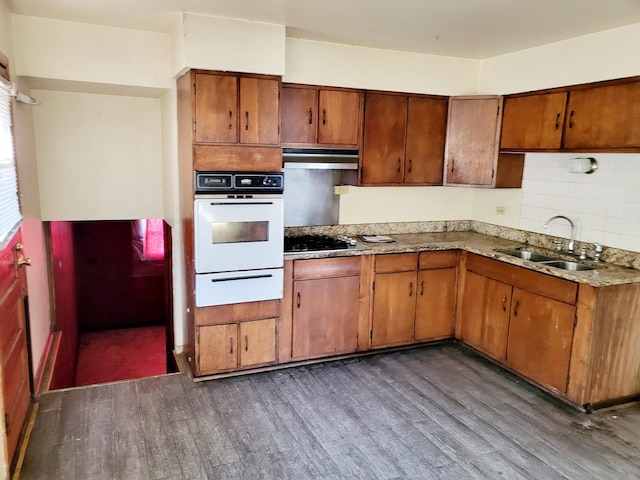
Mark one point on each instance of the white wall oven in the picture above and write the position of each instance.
(239, 237)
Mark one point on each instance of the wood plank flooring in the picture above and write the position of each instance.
(436, 412)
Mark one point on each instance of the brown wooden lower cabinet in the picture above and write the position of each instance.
(393, 316)
(325, 307)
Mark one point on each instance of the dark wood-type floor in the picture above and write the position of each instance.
(436, 412)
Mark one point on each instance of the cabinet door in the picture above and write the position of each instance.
(393, 308)
(258, 342)
(216, 108)
(534, 122)
(339, 118)
(385, 124)
(426, 131)
(472, 140)
(485, 314)
(260, 112)
(325, 316)
(218, 348)
(299, 115)
(435, 304)
(604, 117)
(540, 338)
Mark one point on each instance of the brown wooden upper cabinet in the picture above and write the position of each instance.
(236, 109)
(404, 139)
(586, 117)
(473, 132)
(321, 116)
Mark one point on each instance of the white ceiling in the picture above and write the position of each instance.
(460, 28)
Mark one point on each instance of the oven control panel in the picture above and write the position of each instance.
(236, 182)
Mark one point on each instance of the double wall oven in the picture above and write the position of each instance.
(239, 235)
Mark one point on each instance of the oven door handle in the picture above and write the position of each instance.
(232, 279)
(240, 204)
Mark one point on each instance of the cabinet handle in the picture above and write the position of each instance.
(399, 164)
(557, 120)
(231, 346)
(571, 119)
(311, 116)
(453, 162)
(246, 117)
(324, 116)
(410, 165)
(298, 303)
(230, 119)
(422, 288)
(515, 308)
(246, 343)
(504, 304)
(411, 289)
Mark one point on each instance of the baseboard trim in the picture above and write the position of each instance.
(42, 381)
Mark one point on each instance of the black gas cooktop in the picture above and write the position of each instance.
(316, 243)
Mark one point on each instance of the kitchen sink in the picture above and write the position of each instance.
(564, 265)
(527, 255)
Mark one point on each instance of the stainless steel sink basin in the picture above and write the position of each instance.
(573, 266)
(527, 255)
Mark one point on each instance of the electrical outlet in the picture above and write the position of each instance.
(501, 210)
(341, 189)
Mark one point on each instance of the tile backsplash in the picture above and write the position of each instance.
(604, 205)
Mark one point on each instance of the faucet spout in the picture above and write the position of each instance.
(571, 245)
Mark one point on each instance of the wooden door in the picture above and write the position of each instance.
(435, 304)
(394, 298)
(16, 389)
(540, 338)
(534, 122)
(486, 306)
(260, 111)
(325, 316)
(426, 131)
(216, 108)
(299, 115)
(217, 348)
(258, 342)
(339, 117)
(385, 124)
(604, 117)
(472, 140)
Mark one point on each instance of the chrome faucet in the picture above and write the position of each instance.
(571, 245)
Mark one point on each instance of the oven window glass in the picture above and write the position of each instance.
(239, 232)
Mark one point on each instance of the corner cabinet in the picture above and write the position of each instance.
(321, 116)
(404, 139)
(229, 121)
(413, 297)
(473, 133)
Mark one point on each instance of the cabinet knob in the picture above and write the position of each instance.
(557, 120)
(571, 119)
(246, 343)
(231, 346)
(246, 117)
(410, 165)
(310, 116)
(230, 120)
(515, 308)
(422, 288)
(411, 289)
(399, 164)
(504, 304)
(324, 116)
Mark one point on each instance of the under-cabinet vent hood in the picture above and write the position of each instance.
(320, 158)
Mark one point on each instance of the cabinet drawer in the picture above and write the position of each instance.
(326, 268)
(396, 262)
(540, 283)
(237, 312)
(432, 260)
(226, 158)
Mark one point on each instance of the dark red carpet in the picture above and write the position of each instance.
(121, 354)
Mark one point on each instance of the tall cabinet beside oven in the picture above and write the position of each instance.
(226, 122)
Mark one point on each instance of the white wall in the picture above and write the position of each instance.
(215, 43)
(338, 65)
(485, 201)
(99, 156)
(605, 55)
(79, 52)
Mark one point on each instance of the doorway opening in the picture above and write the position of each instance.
(111, 296)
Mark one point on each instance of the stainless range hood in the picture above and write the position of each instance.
(320, 158)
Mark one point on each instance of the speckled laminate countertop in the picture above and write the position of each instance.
(486, 245)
